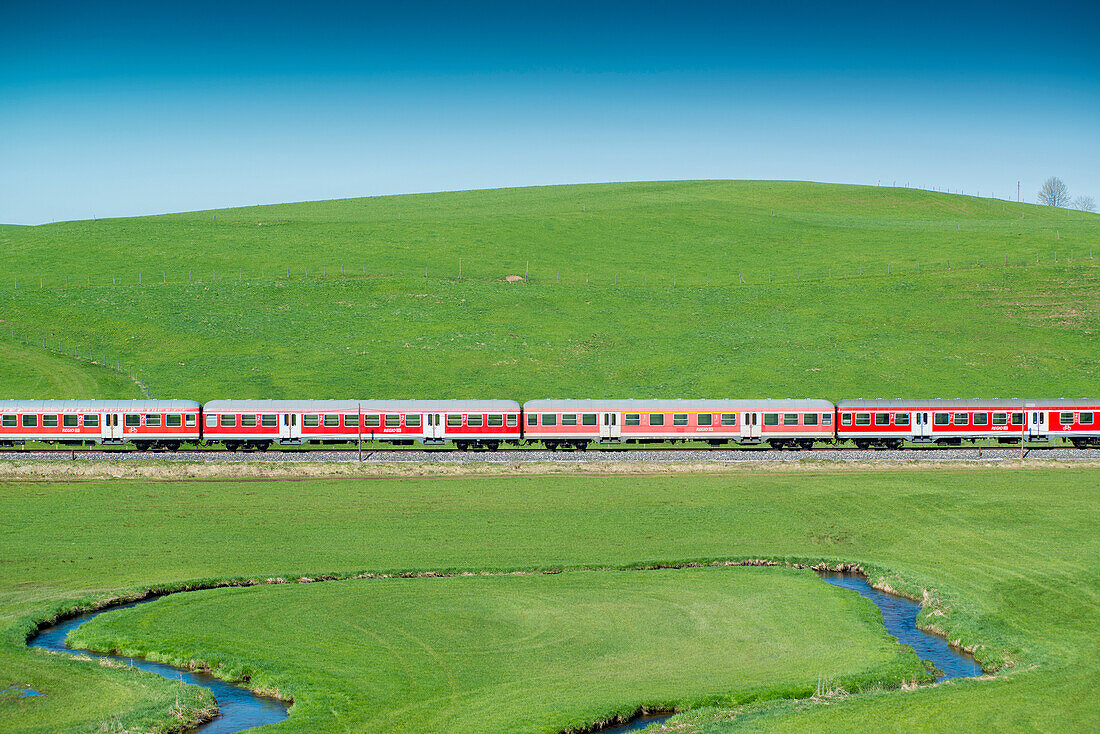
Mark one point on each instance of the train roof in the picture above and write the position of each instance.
(306, 406)
(947, 403)
(109, 406)
(641, 404)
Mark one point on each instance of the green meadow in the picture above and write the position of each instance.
(672, 289)
(539, 653)
(1007, 559)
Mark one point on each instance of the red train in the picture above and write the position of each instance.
(467, 424)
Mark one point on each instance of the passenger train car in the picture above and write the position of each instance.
(144, 423)
(561, 423)
(892, 422)
(465, 424)
(259, 423)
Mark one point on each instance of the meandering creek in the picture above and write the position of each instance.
(241, 709)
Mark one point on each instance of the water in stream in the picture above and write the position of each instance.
(241, 709)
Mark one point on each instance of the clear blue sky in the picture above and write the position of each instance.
(116, 109)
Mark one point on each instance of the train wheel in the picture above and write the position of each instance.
(141, 445)
(172, 446)
(462, 445)
(807, 445)
(863, 445)
(232, 445)
(581, 445)
(492, 445)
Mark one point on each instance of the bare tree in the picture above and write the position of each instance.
(1085, 203)
(1054, 192)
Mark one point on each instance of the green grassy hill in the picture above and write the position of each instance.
(665, 289)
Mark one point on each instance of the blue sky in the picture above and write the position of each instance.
(119, 109)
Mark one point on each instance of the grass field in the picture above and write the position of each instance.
(664, 312)
(1010, 559)
(521, 653)
(30, 373)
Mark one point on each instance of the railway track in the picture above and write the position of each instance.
(532, 455)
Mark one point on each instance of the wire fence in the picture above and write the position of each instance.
(95, 355)
(523, 272)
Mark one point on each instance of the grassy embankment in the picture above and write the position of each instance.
(830, 323)
(1009, 558)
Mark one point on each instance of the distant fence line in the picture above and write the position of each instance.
(90, 354)
(728, 278)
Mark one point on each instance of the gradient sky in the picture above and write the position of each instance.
(117, 109)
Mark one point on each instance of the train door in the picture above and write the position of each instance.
(609, 426)
(922, 424)
(433, 427)
(1036, 424)
(750, 425)
(291, 429)
(111, 426)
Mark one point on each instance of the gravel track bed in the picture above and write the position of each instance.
(567, 457)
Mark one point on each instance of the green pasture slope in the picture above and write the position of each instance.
(669, 289)
(1009, 558)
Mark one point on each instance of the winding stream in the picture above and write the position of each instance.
(241, 709)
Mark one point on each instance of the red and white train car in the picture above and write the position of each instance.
(890, 422)
(560, 423)
(260, 423)
(144, 423)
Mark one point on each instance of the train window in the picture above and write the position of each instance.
(809, 419)
(248, 419)
(939, 419)
(30, 421)
(393, 421)
(679, 419)
(549, 419)
(632, 419)
(729, 419)
(512, 420)
(131, 420)
(569, 419)
(69, 421)
(50, 421)
(374, 420)
(827, 419)
(173, 421)
(8, 421)
(332, 420)
(771, 419)
(846, 419)
(211, 420)
(1065, 419)
(351, 421)
(454, 420)
(901, 419)
(980, 419)
(588, 419)
(189, 420)
(269, 420)
(863, 419)
(1085, 419)
(152, 419)
(1017, 419)
(962, 419)
(706, 419)
(999, 419)
(412, 420)
(91, 421)
(474, 420)
(312, 420)
(495, 421)
(882, 419)
(532, 419)
(656, 419)
(790, 419)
